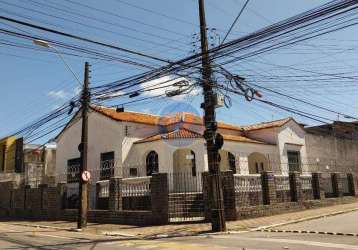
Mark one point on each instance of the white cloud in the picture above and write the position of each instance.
(169, 81)
(60, 94)
(77, 90)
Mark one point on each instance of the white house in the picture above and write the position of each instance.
(132, 144)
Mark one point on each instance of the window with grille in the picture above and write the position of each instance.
(133, 172)
(193, 163)
(107, 165)
(232, 162)
(152, 163)
(73, 170)
(294, 161)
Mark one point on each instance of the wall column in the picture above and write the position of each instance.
(268, 188)
(352, 184)
(62, 199)
(229, 194)
(159, 198)
(295, 187)
(115, 194)
(337, 185)
(317, 189)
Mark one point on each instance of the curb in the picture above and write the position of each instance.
(304, 219)
(47, 227)
(307, 232)
(257, 229)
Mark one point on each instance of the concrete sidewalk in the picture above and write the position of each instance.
(195, 228)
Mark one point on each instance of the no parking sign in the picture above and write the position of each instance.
(86, 176)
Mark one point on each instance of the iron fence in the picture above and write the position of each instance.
(185, 182)
(102, 195)
(72, 196)
(327, 185)
(186, 200)
(345, 185)
(306, 187)
(248, 190)
(282, 184)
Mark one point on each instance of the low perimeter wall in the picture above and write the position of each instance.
(48, 203)
(244, 197)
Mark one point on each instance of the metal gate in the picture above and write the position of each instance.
(186, 200)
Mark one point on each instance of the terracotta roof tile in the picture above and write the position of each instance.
(184, 133)
(239, 138)
(176, 134)
(130, 116)
(185, 117)
(127, 116)
(265, 125)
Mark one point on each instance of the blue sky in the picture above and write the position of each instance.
(35, 82)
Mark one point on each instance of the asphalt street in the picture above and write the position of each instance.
(20, 237)
(344, 223)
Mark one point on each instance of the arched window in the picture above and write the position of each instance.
(193, 163)
(232, 162)
(152, 163)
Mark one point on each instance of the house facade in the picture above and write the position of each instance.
(26, 164)
(131, 144)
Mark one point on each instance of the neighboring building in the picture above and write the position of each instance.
(11, 158)
(39, 164)
(333, 147)
(26, 164)
(133, 144)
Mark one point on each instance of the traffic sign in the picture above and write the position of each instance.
(86, 175)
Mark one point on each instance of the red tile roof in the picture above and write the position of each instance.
(130, 116)
(239, 138)
(127, 116)
(185, 117)
(265, 125)
(182, 133)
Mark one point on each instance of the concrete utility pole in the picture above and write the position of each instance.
(83, 147)
(212, 138)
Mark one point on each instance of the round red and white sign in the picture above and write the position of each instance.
(86, 175)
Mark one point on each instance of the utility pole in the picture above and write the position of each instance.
(83, 147)
(210, 135)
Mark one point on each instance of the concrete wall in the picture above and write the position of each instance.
(330, 153)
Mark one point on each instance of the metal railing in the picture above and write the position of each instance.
(139, 186)
(106, 169)
(306, 182)
(136, 193)
(247, 183)
(73, 173)
(185, 182)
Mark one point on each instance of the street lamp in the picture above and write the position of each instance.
(83, 147)
(46, 44)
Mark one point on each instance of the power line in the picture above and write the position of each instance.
(82, 39)
(237, 18)
(136, 38)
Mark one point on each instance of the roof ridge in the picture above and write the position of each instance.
(129, 111)
(277, 120)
